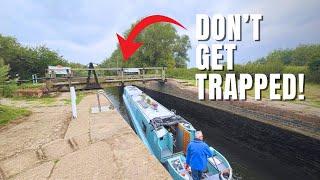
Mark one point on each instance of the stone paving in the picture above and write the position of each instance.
(96, 146)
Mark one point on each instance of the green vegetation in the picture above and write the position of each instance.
(56, 161)
(80, 96)
(183, 73)
(8, 89)
(26, 61)
(303, 59)
(162, 46)
(8, 114)
(4, 69)
(46, 100)
(312, 92)
(31, 86)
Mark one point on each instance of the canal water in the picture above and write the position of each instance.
(254, 150)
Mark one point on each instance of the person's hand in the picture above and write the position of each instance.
(186, 166)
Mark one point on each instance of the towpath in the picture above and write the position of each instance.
(95, 146)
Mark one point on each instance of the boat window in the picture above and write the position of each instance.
(144, 128)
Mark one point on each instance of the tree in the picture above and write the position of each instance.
(314, 68)
(26, 61)
(299, 56)
(4, 69)
(162, 46)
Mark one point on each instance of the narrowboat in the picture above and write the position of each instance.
(167, 135)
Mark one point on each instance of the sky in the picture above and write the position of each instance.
(85, 30)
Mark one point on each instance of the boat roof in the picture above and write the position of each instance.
(147, 109)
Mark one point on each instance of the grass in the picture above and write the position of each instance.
(46, 100)
(312, 93)
(80, 96)
(56, 161)
(31, 86)
(8, 114)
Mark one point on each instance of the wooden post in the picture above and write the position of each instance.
(69, 78)
(122, 75)
(48, 80)
(54, 76)
(143, 73)
(163, 74)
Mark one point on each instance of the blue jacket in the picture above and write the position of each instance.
(197, 154)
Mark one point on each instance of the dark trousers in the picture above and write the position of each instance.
(196, 174)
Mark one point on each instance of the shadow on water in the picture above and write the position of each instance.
(254, 150)
(115, 95)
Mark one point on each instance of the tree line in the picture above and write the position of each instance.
(302, 59)
(23, 61)
(163, 46)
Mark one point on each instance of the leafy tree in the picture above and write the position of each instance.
(299, 56)
(26, 61)
(4, 69)
(162, 47)
(304, 54)
(314, 68)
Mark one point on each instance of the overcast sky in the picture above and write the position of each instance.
(85, 31)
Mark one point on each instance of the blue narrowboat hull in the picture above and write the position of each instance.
(166, 136)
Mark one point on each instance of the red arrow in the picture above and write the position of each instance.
(128, 46)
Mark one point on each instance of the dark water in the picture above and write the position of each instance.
(254, 150)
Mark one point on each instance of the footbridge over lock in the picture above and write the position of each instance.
(97, 78)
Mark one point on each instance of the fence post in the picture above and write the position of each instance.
(163, 75)
(69, 78)
(122, 75)
(143, 74)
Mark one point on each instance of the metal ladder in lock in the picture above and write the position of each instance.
(101, 108)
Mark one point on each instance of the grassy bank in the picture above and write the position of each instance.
(80, 96)
(45, 100)
(8, 114)
(312, 92)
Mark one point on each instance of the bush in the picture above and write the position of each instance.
(295, 69)
(31, 86)
(9, 89)
(314, 69)
(183, 73)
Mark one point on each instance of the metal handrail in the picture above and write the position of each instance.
(105, 95)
